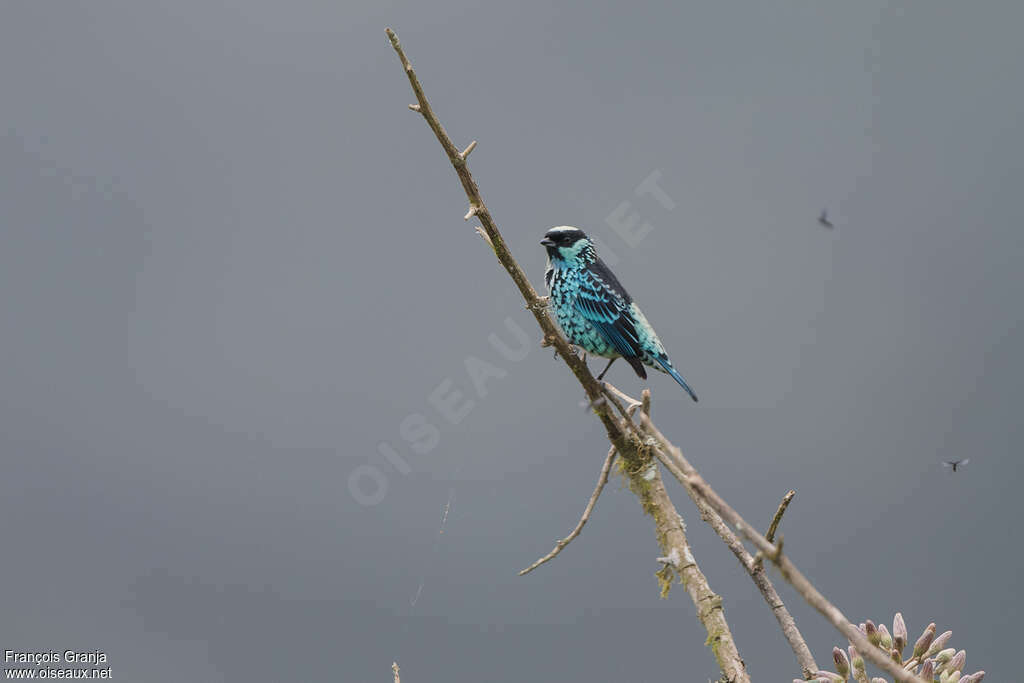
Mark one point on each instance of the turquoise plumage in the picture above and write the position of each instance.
(594, 310)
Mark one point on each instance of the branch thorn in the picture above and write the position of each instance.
(483, 233)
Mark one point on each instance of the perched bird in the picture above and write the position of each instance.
(953, 464)
(594, 310)
(823, 219)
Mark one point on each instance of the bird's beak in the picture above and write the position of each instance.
(548, 242)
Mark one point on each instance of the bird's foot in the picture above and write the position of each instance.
(540, 304)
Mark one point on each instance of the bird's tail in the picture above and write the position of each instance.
(676, 376)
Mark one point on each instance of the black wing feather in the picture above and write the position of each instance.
(605, 274)
(603, 301)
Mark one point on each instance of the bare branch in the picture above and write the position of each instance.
(754, 568)
(601, 481)
(672, 534)
(673, 459)
(654, 499)
(612, 394)
(633, 403)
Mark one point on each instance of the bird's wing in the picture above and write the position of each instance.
(605, 304)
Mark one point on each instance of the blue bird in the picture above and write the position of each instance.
(595, 312)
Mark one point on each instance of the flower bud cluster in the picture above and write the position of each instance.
(928, 658)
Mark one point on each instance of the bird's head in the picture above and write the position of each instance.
(568, 247)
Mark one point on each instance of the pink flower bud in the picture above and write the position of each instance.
(856, 660)
(899, 633)
(842, 663)
(939, 643)
(886, 638)
(874, 637)
(957, 662)
(925, 641)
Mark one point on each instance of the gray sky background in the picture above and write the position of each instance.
(233, 263)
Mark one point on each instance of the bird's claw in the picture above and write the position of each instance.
(540, 304)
